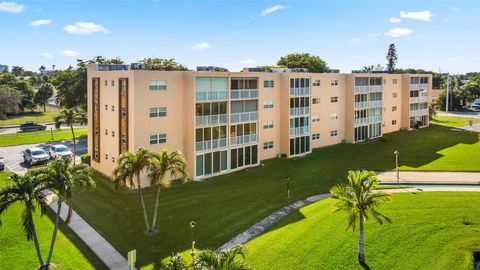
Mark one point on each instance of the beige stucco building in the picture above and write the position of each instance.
(227, 121)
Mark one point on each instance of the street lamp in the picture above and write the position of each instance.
(396, 165)
(287, 179)
(192, 226)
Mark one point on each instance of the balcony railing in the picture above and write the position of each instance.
(299, 111)
(211, 95)
(300, 91)
(375, 119)
(238, 140)
(375, 103)
(419, 86)
(361, 89)
(244, 94)
(361, 105)
(210, 120)
(419, 112)
(414, 99)
(299, 130)
(211, 144)
(375, 88)
(423, 98)
(361, 121)
(244, 117)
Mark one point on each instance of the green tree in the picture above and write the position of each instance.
(69, 117)
(42, 68)
(358, 198)
(17, 71)
(22, 86)
(163, 163)
(225, 260)
(370, 68)
(303, 60)
(29, 191)
(163, 64)
(10, 100)
(43, 94)
(392, 58)
(127, 173)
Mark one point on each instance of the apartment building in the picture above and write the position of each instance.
(228, 121)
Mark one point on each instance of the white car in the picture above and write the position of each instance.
(2, 164)
(35, 156)
(60, 151)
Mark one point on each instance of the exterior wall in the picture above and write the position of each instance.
(389, 102)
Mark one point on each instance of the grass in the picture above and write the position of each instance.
(18, 253)
(429, 231)
(40, 136)
(224, 206)
(37, 116)
(450, 121)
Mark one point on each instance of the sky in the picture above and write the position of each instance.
(437, 35)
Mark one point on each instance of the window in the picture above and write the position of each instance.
(424, 80)
(106, 156)
(333, 133)
(268, 84)
(158, 112)
(394, 108)
(334, 116)
(113, 133)
(113, 108)
(113, 159)
(268, 145)
(156, 139)
(124, 112)
(333, 82)
(316, 83)
(157, 85)
(334, 99)
(106, 131)
(124, 139)
(315, 136)
(106, 107)
(96, 130)
(106, 82)
(394, 122)
(394, 81)
(315, 118)
(315, 101)
(113, 82)
(268, 104)
(394, 95)
(268, 124)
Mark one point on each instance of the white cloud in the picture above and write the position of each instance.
(201, 46)
(69, 53)
(424, 15)
(248, 62)
(272, 9)
(47, 55)
(85, 28)
(40, 22)
(11, 7)
(399, 32)
(395, 20)
(374, 34)
(355, 40)
(454, 9)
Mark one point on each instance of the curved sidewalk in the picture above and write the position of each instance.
(416, 177)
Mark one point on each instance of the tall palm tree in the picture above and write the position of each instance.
(163, 163)
(358, 199)
(225, 260)
(28, 190)
(127, 173)
(69, 117)
(63, 178)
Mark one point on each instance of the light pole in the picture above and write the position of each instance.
(396, 165)
(448, 91)
(192, 226)
(287, 179)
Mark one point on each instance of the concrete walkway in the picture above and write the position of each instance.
(416, 177)
(103, 249)
(460, 114)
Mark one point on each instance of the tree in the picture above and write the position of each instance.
(70, 117)
(303, 60)
(10, 100)
(17, 71)
(29, 191)
(43, 94)
(63, 178)
(25, 89)
(163, 163)
(127, 173)
(226, 259)
(42, 68)
(392, 58)
(163, 64)
(358, 198)
(371, 68)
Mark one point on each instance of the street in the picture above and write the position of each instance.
(13, 155)
(12, 130)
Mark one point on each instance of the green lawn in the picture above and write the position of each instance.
(226, 205)
(453, 121)
(438, 230)
(37, 116)
(40, 136)
(18, 253)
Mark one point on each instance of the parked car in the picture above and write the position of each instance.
(2, 164)
(34, 156)
(59, 151)
(475, 105)
(31, 126)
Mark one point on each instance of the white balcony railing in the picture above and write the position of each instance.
(361, 121)
(419, 112)
(419, 86)
(375, 88)
(414, 99)
(423, 98)
(361, 105)
(300, 91)
(424, 112)
(211, 144)
(244, 94)
(209, 120)
(238, 140)
(299, 111)
(375, 118)
(375, 103)
(299, 131)
(244, 117)
(211, 95)
(361, 89)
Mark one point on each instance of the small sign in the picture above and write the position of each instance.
(132, 257)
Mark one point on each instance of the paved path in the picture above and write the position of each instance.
(474, 127)
(261, 226)
(416, 177)
(461, 114)
(103, 249)
(14, 129)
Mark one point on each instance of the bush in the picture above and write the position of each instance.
(85, 158)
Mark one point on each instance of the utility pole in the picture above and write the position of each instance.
(396, 165)
(448, 92)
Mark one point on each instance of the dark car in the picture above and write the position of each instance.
(30, 126)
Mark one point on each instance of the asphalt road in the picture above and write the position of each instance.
(13, 155)
(15, 129)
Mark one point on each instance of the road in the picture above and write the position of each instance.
(14, 158)
(461, 114)
(15, 129)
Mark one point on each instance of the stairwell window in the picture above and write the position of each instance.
(316, 136)
(333, 133)
(333, 82)
(315, 118)
(268, 84)
(316, 83)
(158, 138)
(394, 108)
(157, 85)
(268, 104)
(113, 82)
(334, 99)
(315, 101)
(268, 145)
(268, 124)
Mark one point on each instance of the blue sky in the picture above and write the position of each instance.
(348, 34)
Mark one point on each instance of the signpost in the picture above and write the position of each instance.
(132, 258)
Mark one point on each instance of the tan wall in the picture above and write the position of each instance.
(389, 102)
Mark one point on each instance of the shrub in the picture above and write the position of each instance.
(85, 158)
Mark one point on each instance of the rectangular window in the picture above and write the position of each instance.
(394, 122)
(106, 107)
(316, 83)
(333, 133)
(106, 156)
(268, 145)
(334, 116)
(315, 101)
(394, 108)
(316, 136)
(334, 99)
(113, 159)
(157, 85)
(106, 131)
(113, 82)
(394, 81)
(158, 112)
(113, 108)
(268, 104)
(113, 133)
(106, 82)
(315, 118)
(268, 124)
(162, 138)
(394, 94)
(153, 139)
(333, 82)
(268, 84)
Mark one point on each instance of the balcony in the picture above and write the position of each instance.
(299, 111)
(300, 91)
(211, 95)
(299, 131)
(375, 119)
(419, 86)
(361, 105)
(361, 89)
(419, 112)
(414, 99)
(375, 88)
(211, 144)
(244, 117)
(375, 103)
(244, 94)
(245, 139)
(361, 121)
(211, 120)
(423, 98)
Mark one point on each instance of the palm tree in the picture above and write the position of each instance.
(70, 116)
(127, 173)
(176, 263)
(225, 260)
(164, 162)
(358, 199)
(28, 190)
(63, 177)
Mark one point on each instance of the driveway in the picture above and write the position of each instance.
(13, 155)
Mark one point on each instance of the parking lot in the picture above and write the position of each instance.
(13, 155)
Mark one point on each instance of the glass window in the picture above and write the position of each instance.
(255, 154)
(223, 160)
(199, 165)
(153, 112)
(157, 85)
(162, 138)
(208, 163)
(233, 159)
(153, 139)
(216, 162)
